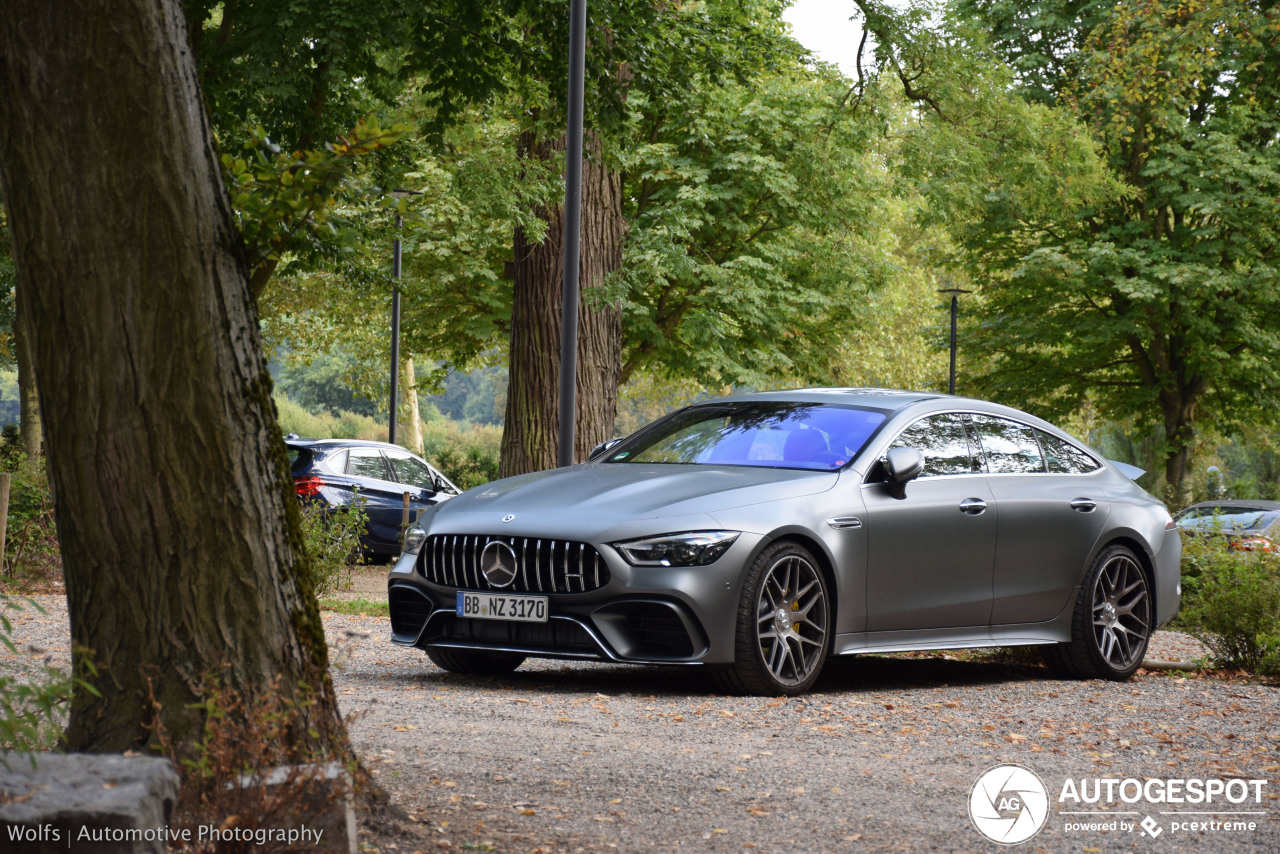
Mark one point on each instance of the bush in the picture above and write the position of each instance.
(294, 418)
(467, 454)
(332, 538)
(1231, 603)
(31, 540)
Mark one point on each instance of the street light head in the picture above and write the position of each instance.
(954, 291)
(404, 194)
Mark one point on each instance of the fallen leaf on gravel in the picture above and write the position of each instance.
(1015, 738)
(758, 812)
(561, 782)
(723, 789)
(853, 838)
(528, 812)
(616, 801)
(565, 720)
(601, 818)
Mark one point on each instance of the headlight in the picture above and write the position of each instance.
(413, 540)
(696, 548)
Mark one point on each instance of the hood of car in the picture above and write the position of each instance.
(615, 492)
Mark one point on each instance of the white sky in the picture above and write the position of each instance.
(824, 27)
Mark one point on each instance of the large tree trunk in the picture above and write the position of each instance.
(531, 431)
(179, 530)
(28, 392)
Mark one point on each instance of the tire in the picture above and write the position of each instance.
(784, 625)
(1112, 623)
(475, 662)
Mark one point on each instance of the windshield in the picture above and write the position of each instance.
(762, 434)
(1226, 519)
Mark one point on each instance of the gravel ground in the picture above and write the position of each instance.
(580, 757)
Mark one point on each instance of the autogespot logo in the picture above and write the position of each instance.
(1009, 804)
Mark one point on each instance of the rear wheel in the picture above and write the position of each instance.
(784, 624)
(1112, 622)
(476, 662)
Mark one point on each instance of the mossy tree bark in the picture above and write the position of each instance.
(178, 527)
(531, 430)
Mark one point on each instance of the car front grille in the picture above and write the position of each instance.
(542, 566)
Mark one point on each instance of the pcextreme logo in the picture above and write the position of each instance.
(1009, 804)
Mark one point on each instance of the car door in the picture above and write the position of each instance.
(416, 478)
(1051, 514)
(930, 554)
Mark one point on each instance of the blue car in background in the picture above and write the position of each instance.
(331, 471)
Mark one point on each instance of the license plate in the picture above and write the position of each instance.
(498, 606)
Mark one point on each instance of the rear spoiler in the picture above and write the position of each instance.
(1131, 472)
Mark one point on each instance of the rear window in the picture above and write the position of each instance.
(299, 459)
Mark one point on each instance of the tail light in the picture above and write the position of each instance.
(1254, 544)
(308, 486)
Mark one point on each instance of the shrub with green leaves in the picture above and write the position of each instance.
(332, 538)
(1231, 603)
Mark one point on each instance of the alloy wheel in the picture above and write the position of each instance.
(792, 620)
(1121, 612)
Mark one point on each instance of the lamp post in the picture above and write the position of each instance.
(395, 318)
(572, 227)
(955, 311)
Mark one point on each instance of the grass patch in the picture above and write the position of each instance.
(360, 607)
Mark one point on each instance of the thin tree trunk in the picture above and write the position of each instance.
(28, 393)
(413, 433)
(179, 530)
(531, 428)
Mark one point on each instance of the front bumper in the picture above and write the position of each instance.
(640, 615)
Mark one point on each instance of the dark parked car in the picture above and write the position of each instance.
(758, 535)
(332, 470)
(1248, 525)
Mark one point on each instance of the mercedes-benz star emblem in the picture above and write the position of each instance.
(498, 563)
(508, 517)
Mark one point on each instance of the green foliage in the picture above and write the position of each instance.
(33, 700)
(277, 195)
(751, 232)
(1156, 302)
(332, 538)
(294, 418)
(31, 539)
(320, 382)
(467, 455)
(1231, 603)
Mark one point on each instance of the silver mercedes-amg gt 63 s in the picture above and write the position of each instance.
(758, 535)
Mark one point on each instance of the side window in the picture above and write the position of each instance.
(1064, 457)
(943, 442)
(337, 463)
(1010, 447)
(366, 462)
(410, 471)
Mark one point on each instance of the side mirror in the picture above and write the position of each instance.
(903, 465)
(602, 448)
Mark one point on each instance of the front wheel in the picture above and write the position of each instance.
(784, 624)
(1112, 622)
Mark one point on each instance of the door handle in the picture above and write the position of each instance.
(973, 506)
(1083, 505)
